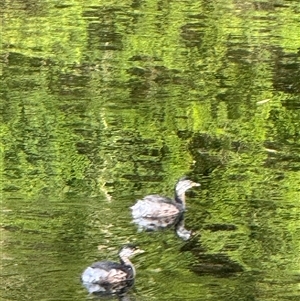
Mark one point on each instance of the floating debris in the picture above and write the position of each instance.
(261, 102)
(270, 150)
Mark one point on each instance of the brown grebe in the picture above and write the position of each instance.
(156, 212)
(107, 277)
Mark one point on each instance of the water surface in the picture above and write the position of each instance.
(103, 103)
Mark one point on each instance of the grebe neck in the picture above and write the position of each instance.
(180, 198)
(125, 261)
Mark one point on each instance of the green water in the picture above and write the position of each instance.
(103, 102)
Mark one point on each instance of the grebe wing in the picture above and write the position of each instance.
(106, 271)
(154, 206)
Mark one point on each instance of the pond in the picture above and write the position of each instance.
(105, 102)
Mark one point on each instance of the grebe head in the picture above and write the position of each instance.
(128, 251)
(183, 185)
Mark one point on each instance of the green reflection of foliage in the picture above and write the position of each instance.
(46, 30)
(40, 152)
(73, 122)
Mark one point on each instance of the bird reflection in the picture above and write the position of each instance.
(120, 297)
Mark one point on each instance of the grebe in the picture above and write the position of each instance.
(107, 277)
(156, 212)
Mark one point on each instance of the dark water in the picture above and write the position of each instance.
(102, 104)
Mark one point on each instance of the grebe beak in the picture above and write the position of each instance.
(195, 184)
(138, 251)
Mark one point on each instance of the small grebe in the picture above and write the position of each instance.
(156, 212)
(107, 277)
